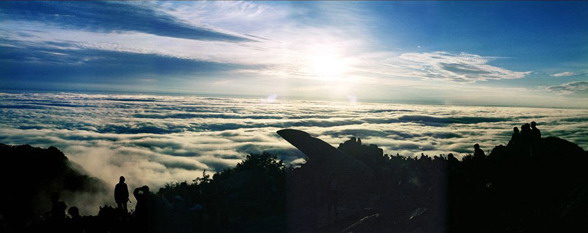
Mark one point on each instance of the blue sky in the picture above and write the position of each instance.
(487, 53)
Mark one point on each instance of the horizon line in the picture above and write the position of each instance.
(262, 96)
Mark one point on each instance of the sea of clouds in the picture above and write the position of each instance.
(155, 140)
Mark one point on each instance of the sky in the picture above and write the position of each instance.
(459, 53)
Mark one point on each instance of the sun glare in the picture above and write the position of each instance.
(331, 70)
(326, 63)
(327, 67)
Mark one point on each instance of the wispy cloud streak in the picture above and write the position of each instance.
(461, 67)
(564, 74)
(110, 17)
(570, 87)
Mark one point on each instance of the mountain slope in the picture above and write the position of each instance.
(31, 175)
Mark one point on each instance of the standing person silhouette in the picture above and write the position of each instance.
(145, 210)
(121, 194)
(515, 138)
(75, 223)
(535, 136)
(332, 198)
(526, 134)
(57, 209)
(526, 139)
(535, 133)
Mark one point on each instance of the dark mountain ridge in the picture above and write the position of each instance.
(31, 175)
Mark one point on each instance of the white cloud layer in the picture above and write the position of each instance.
(157, 139)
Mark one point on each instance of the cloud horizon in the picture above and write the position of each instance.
(153, 139)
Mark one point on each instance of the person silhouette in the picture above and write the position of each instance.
(535, 132)
(515, 138)
(57, 218)
(478, 153)
(526, 133)
(74, 212)
(143, 196)
(121, 194)
(75, 222)
(144, 210)
(452, 159)
(332, 198)
(57, 208)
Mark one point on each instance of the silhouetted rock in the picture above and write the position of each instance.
(30, 175)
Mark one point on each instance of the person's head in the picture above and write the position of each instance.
(121, 179)
(145, 188)
(477, 146)
(526, 126)
(533, 124)
(515, 129)
(73, 211)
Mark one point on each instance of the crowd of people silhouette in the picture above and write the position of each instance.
(144, 216)
(525, 140)
(529, 134)
(59, 221)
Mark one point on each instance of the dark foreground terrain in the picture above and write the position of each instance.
(530, 185)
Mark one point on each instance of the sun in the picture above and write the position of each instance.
(326, 64)
(330, 71)
(327, 67)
